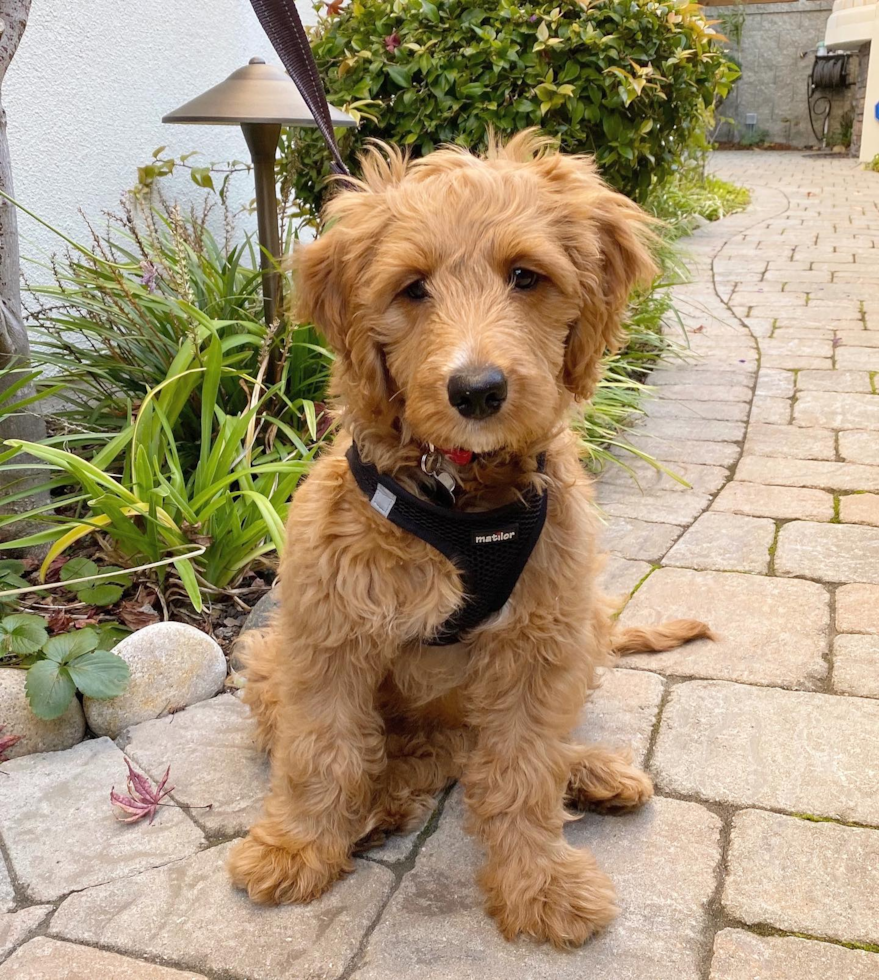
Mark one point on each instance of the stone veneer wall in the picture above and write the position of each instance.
(774, 75)
(860, 97)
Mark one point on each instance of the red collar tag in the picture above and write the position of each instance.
(460, 457)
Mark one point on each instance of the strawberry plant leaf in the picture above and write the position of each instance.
(49, 689)
(22, 633)
(68, 646)
(102, 593)
(78, 568)
(99, 674)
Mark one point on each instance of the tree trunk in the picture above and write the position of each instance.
(14, 347)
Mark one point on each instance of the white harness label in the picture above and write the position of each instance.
(383, 500)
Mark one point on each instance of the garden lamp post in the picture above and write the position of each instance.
(261, 99)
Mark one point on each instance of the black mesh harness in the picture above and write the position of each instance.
(490, 548)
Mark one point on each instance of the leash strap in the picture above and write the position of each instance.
(280, 20)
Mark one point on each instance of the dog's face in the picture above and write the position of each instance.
(469, 299)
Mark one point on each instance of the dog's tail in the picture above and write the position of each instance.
(656, 639)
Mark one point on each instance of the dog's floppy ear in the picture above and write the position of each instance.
(327, 271)
(608, 239)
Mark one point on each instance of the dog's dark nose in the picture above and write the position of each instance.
(476, 394)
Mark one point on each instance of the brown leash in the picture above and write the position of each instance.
(280, 20)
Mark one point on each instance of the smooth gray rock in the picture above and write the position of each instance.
(189, 913)
(661, 859)
(801, 876)
(740, 955)
(769, 631)
(7, 893)
(61, 832)
(37, 735)
(213, 756)
(784, 750)
(172, 665)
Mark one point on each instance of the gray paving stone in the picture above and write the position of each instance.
(622, 712)
(776, 411)
(755, 500)
(689, 374)
(857, 608)
(642, 540)
(828, 552)
(642, 476)
(189, 913)
(7, 893)
(769, 631)
(682, 429)
(784, 750)
(705, 393)
(855, 382)
(816, 473)
(859, 508)
(857, 358)
(620, 575)
(802, 876)
(726, 542)
(859, 447)
(214, 760)
(687, 450)
(15, 927)
(48, 959)
(61, 832)
(837, 410)
(790, 440)
(662, 862)
(797, 362)
(740, 955)
(688, 409)
(775, 382)
(856, 665)
(666, 507)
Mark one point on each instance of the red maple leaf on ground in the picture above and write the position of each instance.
(144, 799)
(6, 743)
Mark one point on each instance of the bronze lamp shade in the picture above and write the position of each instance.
(260, 98)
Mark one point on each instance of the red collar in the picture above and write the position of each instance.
(460, 457)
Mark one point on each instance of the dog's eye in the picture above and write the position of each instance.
(524, 278)
(416, 290)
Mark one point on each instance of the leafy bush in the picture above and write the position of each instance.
(60, 665)
(628, 80)
(184, 423)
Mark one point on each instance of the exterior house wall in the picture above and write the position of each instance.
(87, 90)
(775, 74)
(860, 98)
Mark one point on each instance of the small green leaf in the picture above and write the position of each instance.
(22, 633)
(399, 75)
(430, 11)
(159, 150)
(100, 594)
(49, 689)
(68, 646)
(78, 568)
(99, 674)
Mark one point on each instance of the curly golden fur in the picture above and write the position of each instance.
(365, 724)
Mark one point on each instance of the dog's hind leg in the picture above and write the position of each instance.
(606, 780)
(420, 764)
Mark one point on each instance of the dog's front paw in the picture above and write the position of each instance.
(275, 875)
(563, 900)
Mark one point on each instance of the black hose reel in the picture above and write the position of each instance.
(829, 74)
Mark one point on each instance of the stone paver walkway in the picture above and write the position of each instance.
(759, 857)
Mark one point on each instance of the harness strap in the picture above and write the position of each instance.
(489, 548)
(280, 20)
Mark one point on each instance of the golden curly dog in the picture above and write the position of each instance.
(512, 269)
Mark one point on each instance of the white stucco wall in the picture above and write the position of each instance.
(89, 85)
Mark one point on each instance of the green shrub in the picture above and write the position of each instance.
(628, 80)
